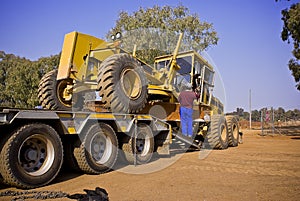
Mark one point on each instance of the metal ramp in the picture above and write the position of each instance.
(187, 140)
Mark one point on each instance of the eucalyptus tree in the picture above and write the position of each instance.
(159, 26)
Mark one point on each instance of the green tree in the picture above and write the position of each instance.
(255, 115)
(19, 79)
(280, 114)
(291, 31)
(293, 114)
(240, 111)
(246, 115)
(3, 70)
(198, 35)
(46, 64)
(290, 115)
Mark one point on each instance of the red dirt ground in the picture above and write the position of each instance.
(262, 168)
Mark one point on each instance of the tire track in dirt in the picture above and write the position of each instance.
(271, 165)
(240, 168)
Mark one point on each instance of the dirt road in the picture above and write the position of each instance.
(262, 168)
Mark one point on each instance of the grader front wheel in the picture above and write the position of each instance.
(233, 130)
(122, 84)
(55, 94)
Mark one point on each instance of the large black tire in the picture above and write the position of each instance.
(233, 130)
(217, 136)
(122, 84)
(141, 147)
(32, 156)
(51, 90)
(98, 151)
(70, 162)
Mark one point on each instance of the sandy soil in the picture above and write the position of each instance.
(262, 168)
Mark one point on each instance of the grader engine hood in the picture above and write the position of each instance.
(76, 48)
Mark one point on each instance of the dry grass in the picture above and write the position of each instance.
(290, 128)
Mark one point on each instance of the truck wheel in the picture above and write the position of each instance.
(141, 147)
(122, 84)
(52, 93)
(233, 130)
(70, 162)
(32, 156)
(98, 151)
(217, 136)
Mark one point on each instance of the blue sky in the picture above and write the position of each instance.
(250, 53)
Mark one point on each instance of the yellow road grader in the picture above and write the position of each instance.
(105, 99)
(127, 84)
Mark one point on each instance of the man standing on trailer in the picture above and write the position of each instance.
(186, 99)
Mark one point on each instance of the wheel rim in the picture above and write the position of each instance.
(101, 148)
(63, 93)
(36, 155)
(223, 133)
(235, 132)
(131, 83)
(142, 144)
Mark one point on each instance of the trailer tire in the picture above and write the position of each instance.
(142, 147)
(233, 130)
(98, 151)
(50, 92)
(70, 162)
(32, 156)
(122, 84)
(217, 136)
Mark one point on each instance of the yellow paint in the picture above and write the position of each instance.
(102, 115)
(72, 130)
(76, 46)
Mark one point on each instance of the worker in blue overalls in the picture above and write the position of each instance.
(186, 99)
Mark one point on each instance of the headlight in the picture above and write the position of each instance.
(118, 35)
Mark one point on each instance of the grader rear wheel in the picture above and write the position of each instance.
(122, 84)
(55, 94)
(233, 131)
(217, 136)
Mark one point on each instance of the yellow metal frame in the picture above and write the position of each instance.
(76, 48)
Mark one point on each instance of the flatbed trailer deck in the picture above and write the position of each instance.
(34, 143)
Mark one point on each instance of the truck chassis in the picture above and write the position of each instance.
(35, 143)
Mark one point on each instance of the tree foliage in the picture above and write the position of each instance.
(291, 31)
(279, 114)
(19, 79)
(198, 35)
